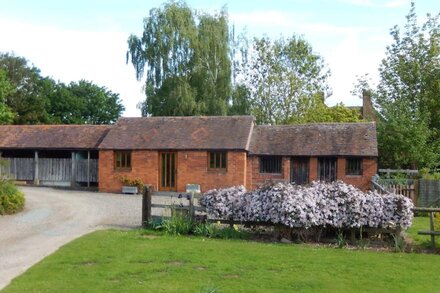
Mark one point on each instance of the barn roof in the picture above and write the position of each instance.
(320, 139)
(52, 136)
(178, 133)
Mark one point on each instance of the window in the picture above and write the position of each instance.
(299, 170)
(122, 159)
(217, 160)
(270, 164)
(353, 166)
(327, 169)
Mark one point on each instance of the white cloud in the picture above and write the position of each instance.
(69, 55)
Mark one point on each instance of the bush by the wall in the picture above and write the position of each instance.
(11, 199)
(333, 205)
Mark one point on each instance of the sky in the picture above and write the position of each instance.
(87, 39)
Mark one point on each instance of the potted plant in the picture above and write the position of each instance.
(131, 186)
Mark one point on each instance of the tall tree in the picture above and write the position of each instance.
(282, 76)
(26, 100)
(88, 103)
(6, 115)
(408, 95)
(186, 60)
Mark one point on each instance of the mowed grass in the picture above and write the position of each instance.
(421, 223)
(129, 261)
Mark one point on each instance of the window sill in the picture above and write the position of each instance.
(272, 174)
(221, 171)
(353, 175)
(122, 169)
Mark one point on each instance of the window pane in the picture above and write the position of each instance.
(270, 164)
(223, 160)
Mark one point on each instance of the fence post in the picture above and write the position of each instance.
(146, 205)
(431, 224)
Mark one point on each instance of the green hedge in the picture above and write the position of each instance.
(11, 199)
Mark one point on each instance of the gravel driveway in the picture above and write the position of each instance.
(52, 218)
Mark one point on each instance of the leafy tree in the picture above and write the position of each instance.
(408, 95)
(86, 103)
(6, 115)
(26, 100)
(282, 77)
(186, 58)
(320, 112)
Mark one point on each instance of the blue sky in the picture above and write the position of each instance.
(70, 40)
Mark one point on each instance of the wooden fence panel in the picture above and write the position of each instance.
(81, 170)
(19, 168)
(429, 193)
(54, 169)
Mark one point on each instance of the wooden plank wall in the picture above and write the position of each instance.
(50, 169)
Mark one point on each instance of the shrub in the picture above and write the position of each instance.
(11, 199)
(136, 182)
(334, 205)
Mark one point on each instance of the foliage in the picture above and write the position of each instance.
(320, 112)
(341, 240)
(335, 205)
(11, 199)
(136, 182)
(94, 104)
(26, 100)
(130, 261)
(33, 99)
(282, 77)
(425, 173)
(407, 95)
(186, 59)
(178, 224)
(6, 115)
(437, 221)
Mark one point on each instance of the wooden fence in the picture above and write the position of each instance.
(51, 169)
(429, 193)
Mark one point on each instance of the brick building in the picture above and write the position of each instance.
(171, 152)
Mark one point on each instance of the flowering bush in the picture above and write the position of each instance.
(334, 205)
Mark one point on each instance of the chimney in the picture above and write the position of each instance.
(368, 112)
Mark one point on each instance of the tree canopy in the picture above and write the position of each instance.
(186, 59)
(283, 77)
(408, 94)
(26, 97)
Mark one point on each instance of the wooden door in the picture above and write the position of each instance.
(168, 171)
(299, 170)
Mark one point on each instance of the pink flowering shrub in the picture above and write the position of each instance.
(333, 205)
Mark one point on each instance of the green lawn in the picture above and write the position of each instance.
(420, 223)
(121, 261)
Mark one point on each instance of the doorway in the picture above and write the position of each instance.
(168, 171)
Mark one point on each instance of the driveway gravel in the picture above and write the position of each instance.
(54, 217)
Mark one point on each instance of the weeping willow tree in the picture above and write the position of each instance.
(185, 58)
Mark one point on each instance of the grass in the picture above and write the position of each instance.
(132, 261)
(420, 223)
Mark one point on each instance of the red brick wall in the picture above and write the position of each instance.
(144, 164)
(192, 167)
(363, 182)
(258, 179)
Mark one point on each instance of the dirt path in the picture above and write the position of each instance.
(54, 217)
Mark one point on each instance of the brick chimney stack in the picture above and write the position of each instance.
(368, 112)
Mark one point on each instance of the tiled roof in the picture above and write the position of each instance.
(174, 133)
(326, 139)
(52, 136)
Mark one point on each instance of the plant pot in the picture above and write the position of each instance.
(129, 189)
